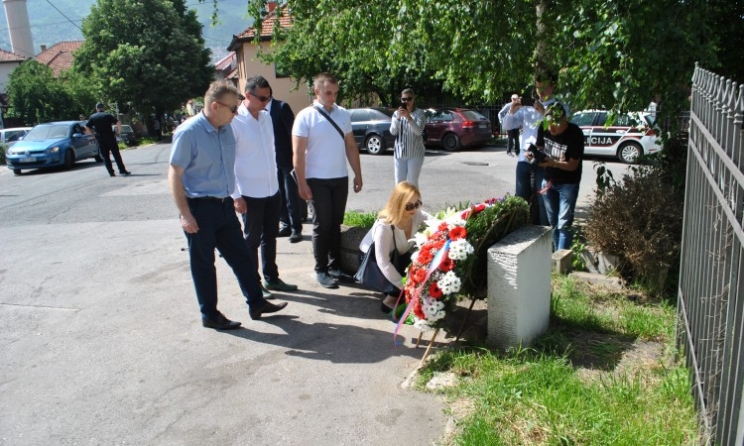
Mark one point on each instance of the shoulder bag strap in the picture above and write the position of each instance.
(320, 110)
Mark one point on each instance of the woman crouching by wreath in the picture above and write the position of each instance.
(386, 249)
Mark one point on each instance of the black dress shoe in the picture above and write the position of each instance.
(284, 232)
(112, 174)
(341, 276)
(266, 308)
(326, 281)
(125, 173)
(220, 323)
(296, 237)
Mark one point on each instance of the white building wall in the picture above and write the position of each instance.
(5, 70)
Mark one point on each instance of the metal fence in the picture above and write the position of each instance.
(711, 285)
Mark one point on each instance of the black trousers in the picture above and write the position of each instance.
(512, 144)
(219, 228)
(292, 204)
(107, 143)
(260, 228)
(329, 205)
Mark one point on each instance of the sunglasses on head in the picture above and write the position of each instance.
(261, 98)
(406, 99)
(412, 206)
(233, 109)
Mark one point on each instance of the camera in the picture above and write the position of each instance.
(528, 101)
(537, 155)
(403, 104)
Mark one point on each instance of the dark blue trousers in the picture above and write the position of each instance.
(219, 228)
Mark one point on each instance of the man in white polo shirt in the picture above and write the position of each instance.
(322, 141)
(256, 195)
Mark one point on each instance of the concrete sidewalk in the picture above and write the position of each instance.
(124, 359)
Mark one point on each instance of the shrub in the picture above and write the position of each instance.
(640, 220)
(3, 148)
(360, 219)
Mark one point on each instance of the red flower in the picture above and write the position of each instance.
(417, 310)
(443, 227)
(446, 265)
(434, 291)
(457, 233)
(418, 275)
(467, 213)
(439, 244)
(425, 256)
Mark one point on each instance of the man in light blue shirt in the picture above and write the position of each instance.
(201, 178)
(529, 176)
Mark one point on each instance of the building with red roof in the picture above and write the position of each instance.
(246, 44)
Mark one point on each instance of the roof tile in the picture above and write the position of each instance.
(59, 57)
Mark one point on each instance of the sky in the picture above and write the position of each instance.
(53, 21)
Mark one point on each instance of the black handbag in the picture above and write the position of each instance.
(369, 273)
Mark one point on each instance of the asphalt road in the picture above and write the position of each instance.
(100, 335)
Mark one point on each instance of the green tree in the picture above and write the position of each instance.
(36, 96)
(147, 53)
(610, 54)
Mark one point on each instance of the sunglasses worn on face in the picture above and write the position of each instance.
(261, 98)
(412, 206)
(406, 99)
(233, 109)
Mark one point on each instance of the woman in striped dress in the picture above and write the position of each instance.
(408, 127)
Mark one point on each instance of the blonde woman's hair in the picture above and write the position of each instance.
(396, 205)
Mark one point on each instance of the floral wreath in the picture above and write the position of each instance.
(434, 279)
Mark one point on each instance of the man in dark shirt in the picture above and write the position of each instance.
(290, 220)
(563, 143)
(100, 123)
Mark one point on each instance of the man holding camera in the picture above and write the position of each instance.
(408, 125)
(527, 113)
(512, 133)
(562, 144)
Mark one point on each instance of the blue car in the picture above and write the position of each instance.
(53, 144)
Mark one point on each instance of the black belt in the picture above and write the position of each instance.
(221, 200)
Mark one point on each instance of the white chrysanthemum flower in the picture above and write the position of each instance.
(414, 256)
(422, 324)
(449, 283)
(460, 249)
(438, 315)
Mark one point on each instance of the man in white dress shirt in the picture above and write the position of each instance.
(256, 194)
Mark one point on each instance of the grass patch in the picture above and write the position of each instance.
(604, 374)
(360, 219)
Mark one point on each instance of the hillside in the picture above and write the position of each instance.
(49, 26)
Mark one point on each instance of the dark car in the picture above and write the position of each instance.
(453, 128)
(53, 144)
(371, 128)
(126, 136)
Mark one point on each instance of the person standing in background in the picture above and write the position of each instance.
(290, 219)
(100, 123)
(408, 126)
(512, 143)
(563, 143)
